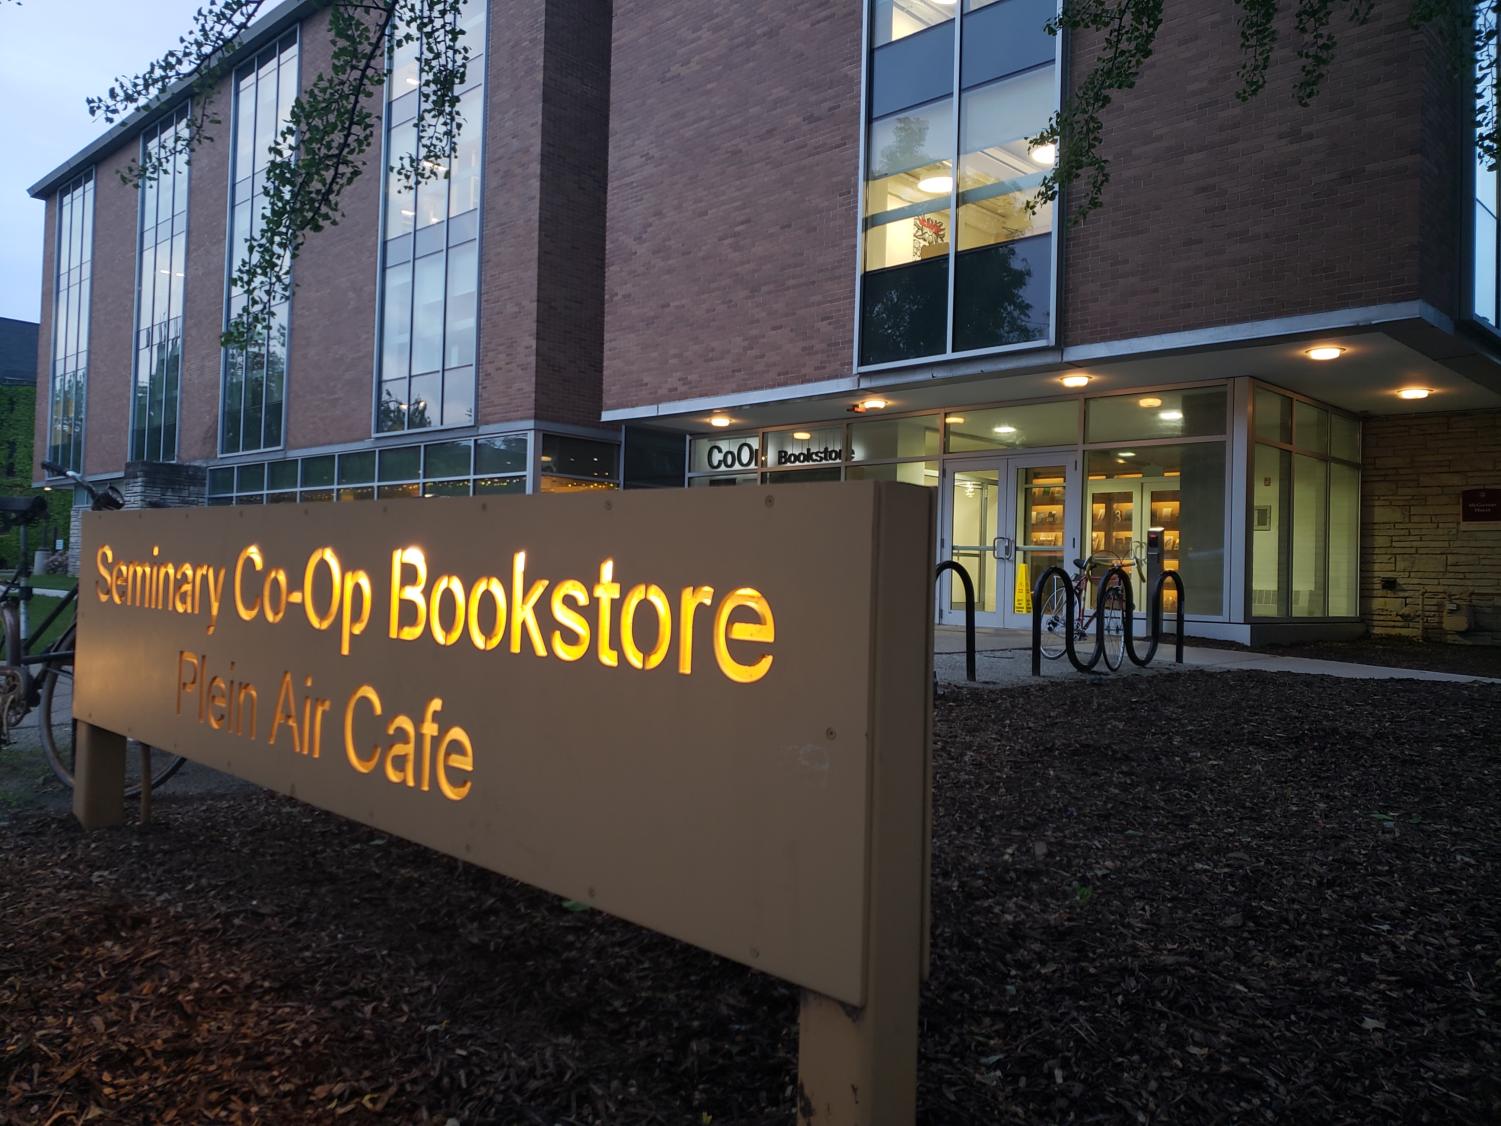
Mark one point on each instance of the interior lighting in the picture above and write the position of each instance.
(1414, 393)
(1005, 430)
(1170, 416)
(1149, 402)
(876, 404)
(938, 185)
(1076, 381)
(1126, 453)
(719, 420)
(802, 436)
(1044, 155)
(1325, 352)
(953, 419)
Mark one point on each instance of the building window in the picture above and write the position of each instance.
(70, 321)
(255, 376)
(430, 255)
(953, 260)
(1305, 510)
(159, 292)
(1486, 235)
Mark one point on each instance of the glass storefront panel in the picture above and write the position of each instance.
(1270, 511)
(1309, 537)
(974, 504)
(1344, 540)
(802, 476)
(1310, 427)
(1274, 416)
(720, 452)
(909, 472)
(894, 437)
(1019, 427)
(805, 449)
(726, 479)
(1197, 412)
(1179, 490)
(1344, 437)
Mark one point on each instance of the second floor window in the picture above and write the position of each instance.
(430, 258)
(255, 377)
(70, 321)
(159, 292)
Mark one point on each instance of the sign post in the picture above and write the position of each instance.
(705, 711)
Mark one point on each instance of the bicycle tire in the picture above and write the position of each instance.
(1113, 607)
(1054, 618)
(59, 729)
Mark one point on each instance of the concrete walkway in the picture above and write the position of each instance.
(1004, 657)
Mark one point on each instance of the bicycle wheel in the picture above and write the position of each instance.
(59, 730)
(1113, 607)
(15, 684)
(1054, 617)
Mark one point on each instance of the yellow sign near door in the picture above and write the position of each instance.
(1023, 589)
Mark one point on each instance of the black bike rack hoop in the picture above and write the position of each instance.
(969, 612)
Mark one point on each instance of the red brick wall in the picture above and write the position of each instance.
(1220, 212)
(574, 172)
(1414, 469)
(734, 161)
(112, 324)
(511, 237)
(330, 369)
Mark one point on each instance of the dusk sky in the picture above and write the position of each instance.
(53, 54)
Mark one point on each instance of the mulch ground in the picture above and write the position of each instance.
(1211, 897)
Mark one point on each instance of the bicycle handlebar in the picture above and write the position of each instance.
(104, 500)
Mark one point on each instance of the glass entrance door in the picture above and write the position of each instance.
(1007, 521)
(1122, 512)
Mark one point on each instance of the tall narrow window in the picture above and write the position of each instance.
(430, 257)
(255, 376)
(159, 289)
(954, 260)
(1486, 234)
(70, 321)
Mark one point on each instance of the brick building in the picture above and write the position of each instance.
(758, 246)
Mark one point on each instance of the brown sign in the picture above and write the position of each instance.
(1480, 508)
(664, 704)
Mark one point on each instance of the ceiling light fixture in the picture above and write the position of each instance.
(1149, 402)
(938, 185)
(1005, 430)
(1414, 393)
(1126, 453)
(1170, 416)
(802, 436)
(1044, 155)
(953, 419)
(719, 420)
(875, 404)
(1074, 382)
(1325, 352)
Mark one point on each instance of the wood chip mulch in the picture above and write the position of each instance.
(1212, 897)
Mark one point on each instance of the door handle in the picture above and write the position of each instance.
(1002, 547)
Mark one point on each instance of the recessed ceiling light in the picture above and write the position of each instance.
(1074, 381)
(1170, 416)
(876, 404)
(1005, 430)
(938, 185)
(801, 435)
(1414, 393)
(1126, 453)
(1325, 352)
(1044, 155)
(954, 419)
(1149, 402)
(719, 420)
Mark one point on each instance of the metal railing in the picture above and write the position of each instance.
(1072, 607)
(969, 613)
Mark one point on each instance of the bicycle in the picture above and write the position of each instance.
(50, 693)
(1110, 603)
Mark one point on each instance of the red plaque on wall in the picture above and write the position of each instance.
(1480, 508)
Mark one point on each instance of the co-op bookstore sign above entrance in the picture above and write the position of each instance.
(643, 702)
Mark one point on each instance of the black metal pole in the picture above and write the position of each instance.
(969, 612)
